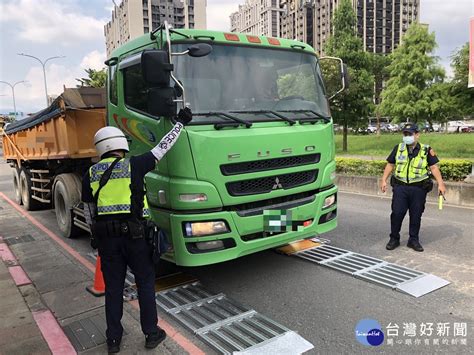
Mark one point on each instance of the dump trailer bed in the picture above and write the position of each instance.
(65, 130)
(50, 152)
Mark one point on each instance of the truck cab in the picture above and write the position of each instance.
(255, 168)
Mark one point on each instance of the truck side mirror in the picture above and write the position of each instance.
(156, 68)
(162, 101)
(345, 76)
(335, 74)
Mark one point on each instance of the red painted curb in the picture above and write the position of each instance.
(19, 275)
(57, 341)
(6, 254)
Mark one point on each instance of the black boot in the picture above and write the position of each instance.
(154, 339)
(113, 346)
(415, 245)
(392, 244)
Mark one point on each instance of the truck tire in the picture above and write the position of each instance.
(16, 186)
(67, 194)
(26, 192)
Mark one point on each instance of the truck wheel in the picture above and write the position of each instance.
(16, 186)
(66, 196)
(26, 192)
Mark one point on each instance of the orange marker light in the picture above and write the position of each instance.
(254, 39)
(231, 37)
(273, 41)
(307, 223)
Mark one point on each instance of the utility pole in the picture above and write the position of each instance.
(43, 64)
(13, 91)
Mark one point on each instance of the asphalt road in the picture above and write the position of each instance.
(324, 305)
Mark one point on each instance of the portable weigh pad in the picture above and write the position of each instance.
(227, 326)
(409, 281)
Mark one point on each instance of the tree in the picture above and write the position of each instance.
(463, 95)
(412, 72)
(443, 105)
(95, 79)
(354, 104)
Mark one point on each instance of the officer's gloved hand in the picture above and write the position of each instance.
(184, 116)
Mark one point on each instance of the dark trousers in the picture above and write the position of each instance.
(116, 253)
(407, 198)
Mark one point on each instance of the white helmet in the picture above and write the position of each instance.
(108, 139)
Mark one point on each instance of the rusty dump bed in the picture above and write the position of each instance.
(64, 130)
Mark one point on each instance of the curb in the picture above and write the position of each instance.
(48, 325)
(457, 193)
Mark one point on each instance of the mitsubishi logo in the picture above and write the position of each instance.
(277, 184)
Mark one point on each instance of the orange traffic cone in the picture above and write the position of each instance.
(99, 286)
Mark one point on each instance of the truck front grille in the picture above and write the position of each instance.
(269, 164)
(269, 183)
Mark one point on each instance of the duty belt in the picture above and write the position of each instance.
(418, 183)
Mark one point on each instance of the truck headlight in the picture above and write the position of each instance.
(193, 197)
(329, 201)
(199, 229)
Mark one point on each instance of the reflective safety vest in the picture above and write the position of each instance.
(411, 170)
(115, 195)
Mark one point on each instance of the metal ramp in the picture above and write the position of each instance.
(409, 281)
(227, 326)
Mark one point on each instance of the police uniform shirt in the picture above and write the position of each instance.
(140, 165)
(432, 159)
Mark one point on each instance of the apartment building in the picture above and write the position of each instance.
(257, 17)
(133, 18)
(380, 23)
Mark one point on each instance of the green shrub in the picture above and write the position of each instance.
(451, 169)
(454, 169)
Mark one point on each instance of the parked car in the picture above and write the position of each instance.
(458, 127)
(371, 129)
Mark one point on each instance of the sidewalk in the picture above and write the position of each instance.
(71, 321)
(19, 333)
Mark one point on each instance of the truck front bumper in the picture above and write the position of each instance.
(245, 234)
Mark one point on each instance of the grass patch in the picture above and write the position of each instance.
(445, 145)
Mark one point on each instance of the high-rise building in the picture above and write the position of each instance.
(133, 18)
(380, 23)
(257, 17)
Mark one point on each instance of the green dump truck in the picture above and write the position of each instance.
(253, 170)
(258, 154)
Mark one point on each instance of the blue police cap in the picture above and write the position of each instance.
(410, 127)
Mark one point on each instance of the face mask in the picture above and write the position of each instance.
(408, 140)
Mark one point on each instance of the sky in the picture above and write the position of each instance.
(75, 29)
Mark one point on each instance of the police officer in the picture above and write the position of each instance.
(115, 207)
(414, 163)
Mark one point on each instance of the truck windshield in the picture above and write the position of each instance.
(246, 82)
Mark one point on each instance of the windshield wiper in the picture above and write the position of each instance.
(309, 119)
(289, 120)
(247, 124)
